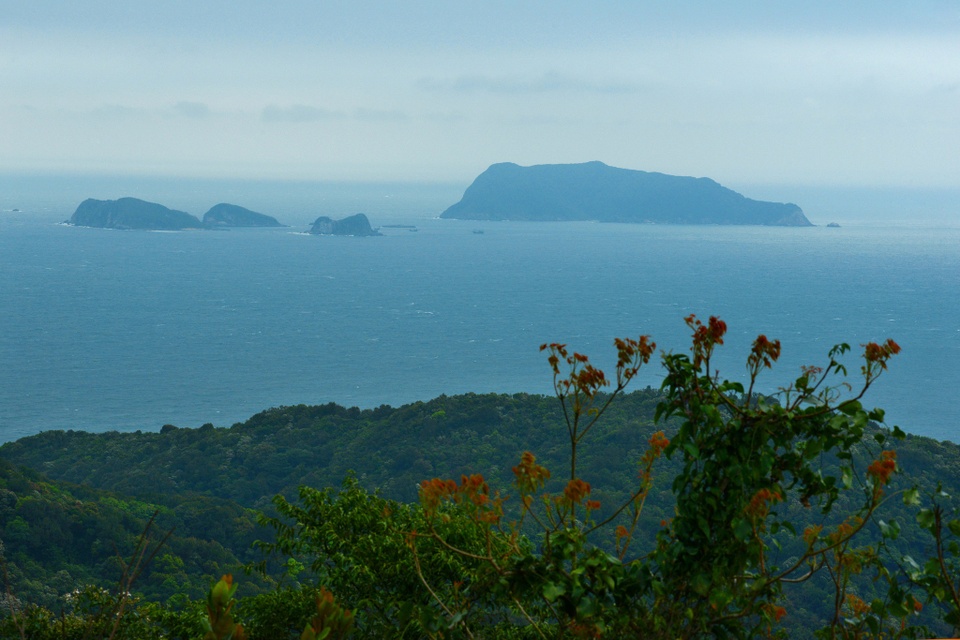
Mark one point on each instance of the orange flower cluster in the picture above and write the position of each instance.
(620, 532)
(628, 350)
(433, 492)
(588, 380)
(764, 352)
(530, 475)
(774, 612)
(856, 605)
(761, 501)
(878, 354)
(557, 351)
(881, 470)
(576, 490)
(658, 442)
(811, 534)
(705, 337)
(475, 489)
(584, 377)
(845, 530)
(472, 490)
(709, 334)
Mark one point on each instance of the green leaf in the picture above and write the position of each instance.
(847, 477)
(552, 591)
(911, 563)
(891, 531)
(742, 529)
(851, 408)
(911, 497)
(405, 612)
(701, 584)
(926, 518)
(720, 598)
(954, 526)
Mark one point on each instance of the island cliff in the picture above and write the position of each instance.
(355, 225)
(595, 191)
(231, 215)
(131, 213)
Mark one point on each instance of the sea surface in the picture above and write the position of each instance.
(130, 330)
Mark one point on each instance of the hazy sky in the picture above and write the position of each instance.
(813, 92)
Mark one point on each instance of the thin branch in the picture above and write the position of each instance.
(433, 594)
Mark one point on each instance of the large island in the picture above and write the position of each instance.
(596, 191)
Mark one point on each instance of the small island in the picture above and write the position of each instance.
(596, 191)
(355, 225)
(131, 213)
(226, 215)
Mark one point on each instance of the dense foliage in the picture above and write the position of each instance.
(703, 509)
(707, 571)
(390, 450)
(58, 537)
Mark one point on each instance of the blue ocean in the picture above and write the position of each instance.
(126, 330)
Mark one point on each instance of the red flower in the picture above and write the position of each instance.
(882, 469)
(576, 490)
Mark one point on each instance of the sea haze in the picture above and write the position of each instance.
(105, 330)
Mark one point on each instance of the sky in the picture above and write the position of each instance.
(858, 93)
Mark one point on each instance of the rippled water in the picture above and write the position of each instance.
(119, 330)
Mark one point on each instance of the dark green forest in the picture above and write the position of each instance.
(301, 498)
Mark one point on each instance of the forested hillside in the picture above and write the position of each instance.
(59, 536)
(67, 528)
(389, 449)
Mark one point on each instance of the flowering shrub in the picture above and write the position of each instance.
(706, 571)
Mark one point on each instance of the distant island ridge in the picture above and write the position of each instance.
(591, 191)
(596, 191)
(133, 213)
